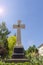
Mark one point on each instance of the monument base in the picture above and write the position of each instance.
(18, 53)
(18, 56)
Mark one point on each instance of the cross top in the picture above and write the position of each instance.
(19, 26)
(19, 23)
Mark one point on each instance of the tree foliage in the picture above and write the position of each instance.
(11, 43)
(3, 36)
(32, 51)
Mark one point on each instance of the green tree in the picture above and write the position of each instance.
(31, 51)
(11, 44)
(3, 36)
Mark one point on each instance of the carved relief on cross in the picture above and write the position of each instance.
(18, 27)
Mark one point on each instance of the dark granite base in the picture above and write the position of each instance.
(19, 50)
(18, 53)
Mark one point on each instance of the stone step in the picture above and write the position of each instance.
(17, 60)
(18, 53)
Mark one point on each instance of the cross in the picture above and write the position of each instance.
(18, 27)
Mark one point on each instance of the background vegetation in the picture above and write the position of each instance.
(7, 44)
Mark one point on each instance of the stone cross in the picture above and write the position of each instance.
(18, 27)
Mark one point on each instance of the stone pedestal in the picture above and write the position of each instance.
(18, 53)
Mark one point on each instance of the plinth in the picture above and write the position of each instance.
(18, 53)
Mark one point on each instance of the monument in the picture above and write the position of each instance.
(18, 49)
(18, 52)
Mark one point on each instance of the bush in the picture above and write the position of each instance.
(3, 63)
(25, 63)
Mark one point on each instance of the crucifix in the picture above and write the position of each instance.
(18, 27)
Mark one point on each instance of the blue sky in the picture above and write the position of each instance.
(30, 12)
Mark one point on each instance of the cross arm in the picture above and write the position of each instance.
(15, 26)
(22, 26)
